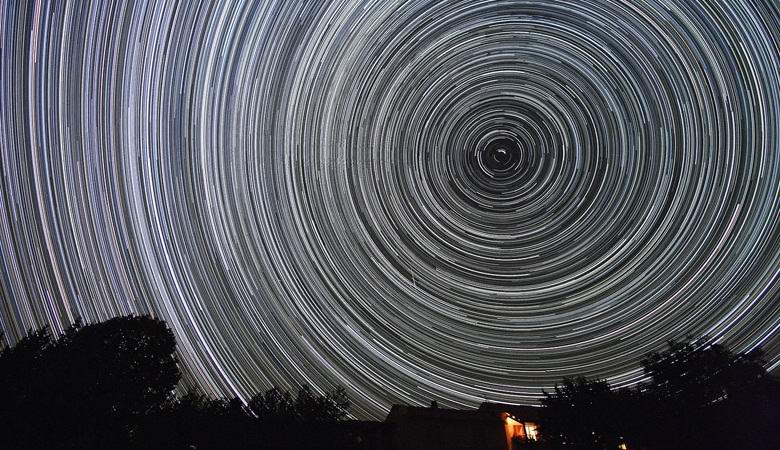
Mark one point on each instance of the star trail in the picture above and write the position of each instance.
(453, 200)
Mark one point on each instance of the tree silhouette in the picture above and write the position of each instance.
(110, 385)
(332, 405)
(23, 369)
(275, 405)
(702, 395)
(124, 366)
(584, 414)
(196, 421)
(699, 396)
(88, 388)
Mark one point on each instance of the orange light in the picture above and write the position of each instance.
(531, 431)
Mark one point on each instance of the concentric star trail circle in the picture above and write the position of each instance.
(459, 200)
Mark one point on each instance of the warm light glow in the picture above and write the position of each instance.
(523, 430)
(514, 428)
(531, 431)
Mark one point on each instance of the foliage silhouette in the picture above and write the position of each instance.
(705, 396)
(196, 421)
(275, 405)
(110, 385)
(90, 387)
(699, 396)
(584, 414)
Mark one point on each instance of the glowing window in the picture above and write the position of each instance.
(531, 431)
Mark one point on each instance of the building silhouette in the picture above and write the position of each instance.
(492, 426)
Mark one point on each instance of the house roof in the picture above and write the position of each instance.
(404, 412)
(519, 412)
(487, 411)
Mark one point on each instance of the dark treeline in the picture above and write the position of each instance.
(698, 396)
(111, 385)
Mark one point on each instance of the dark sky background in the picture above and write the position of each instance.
(459, 200)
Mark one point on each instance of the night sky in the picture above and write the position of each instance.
(451, 200)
